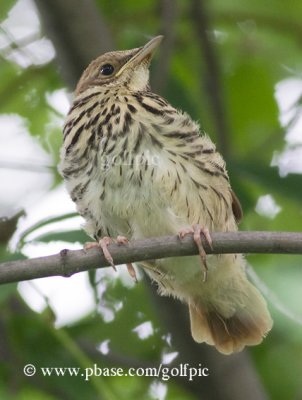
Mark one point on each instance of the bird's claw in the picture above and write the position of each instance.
(132, 271)
(197, 230)
(103, 244)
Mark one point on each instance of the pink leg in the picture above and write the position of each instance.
(91, 245)
(196, 230)
(122, 239)
(130, 268)
(103, 244)
(132, 271)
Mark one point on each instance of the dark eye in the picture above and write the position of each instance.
(107, 69)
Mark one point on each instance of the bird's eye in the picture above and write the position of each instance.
(107, 69)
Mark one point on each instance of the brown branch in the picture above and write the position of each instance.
(202, 23)
(279, 23)
(67, 262)
(169, 15)
(8, 226)
(78, 32)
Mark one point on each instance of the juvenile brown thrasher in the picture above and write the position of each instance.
(135, 166)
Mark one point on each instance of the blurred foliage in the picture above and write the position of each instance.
(257, 44)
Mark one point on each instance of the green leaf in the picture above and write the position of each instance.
(72, 236)
(257, 172)
(5, 7)
(253, 110)
(43, 223)
(7, 291)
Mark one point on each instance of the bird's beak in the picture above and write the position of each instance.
(142, 54)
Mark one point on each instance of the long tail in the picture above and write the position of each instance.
(235, 316)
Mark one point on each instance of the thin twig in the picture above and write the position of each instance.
(169, 15)
(67, 262)
(26, 166)
(78, 31)
(201, 20)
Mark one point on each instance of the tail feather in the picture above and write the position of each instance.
(247, 326)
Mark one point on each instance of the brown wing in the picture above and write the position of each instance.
(236, 207)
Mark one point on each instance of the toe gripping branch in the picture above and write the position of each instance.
(104, 243)
(197, 230)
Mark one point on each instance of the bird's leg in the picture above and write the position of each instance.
(130, 268)
(104, 243)
(196, 230)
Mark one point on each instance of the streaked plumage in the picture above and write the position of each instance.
(136, 166)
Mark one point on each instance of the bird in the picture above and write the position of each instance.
(137, 167)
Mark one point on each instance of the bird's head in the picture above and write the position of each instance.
(128, 68)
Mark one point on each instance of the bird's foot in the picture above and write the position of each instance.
(104, 243)
(197, 230)
(130, 268)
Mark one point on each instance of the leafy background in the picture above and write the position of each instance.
(233, 65)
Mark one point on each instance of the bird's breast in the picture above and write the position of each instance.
(140, 168)
(135, 191)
